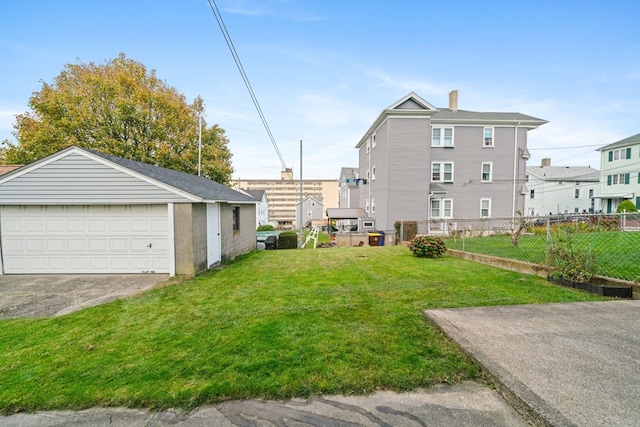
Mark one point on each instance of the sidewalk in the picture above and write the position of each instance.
(561, 364)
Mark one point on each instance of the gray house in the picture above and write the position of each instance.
(312, 211)
(81, 211)
(422, 162)
(349, 186)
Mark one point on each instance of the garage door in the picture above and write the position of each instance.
(84, 239)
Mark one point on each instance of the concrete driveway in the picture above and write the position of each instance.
(54, 295)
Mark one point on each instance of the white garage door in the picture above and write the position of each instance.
(84, 239)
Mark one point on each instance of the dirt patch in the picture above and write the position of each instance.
(55, 295)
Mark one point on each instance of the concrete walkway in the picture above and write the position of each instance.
(560, 364)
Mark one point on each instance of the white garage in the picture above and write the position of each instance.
(81, 211)
(85, 239)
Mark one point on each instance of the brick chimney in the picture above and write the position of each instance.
(546, 162)
(453, 100)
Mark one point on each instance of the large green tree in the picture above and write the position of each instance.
(123, 109)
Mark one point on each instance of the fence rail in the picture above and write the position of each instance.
(613, 240)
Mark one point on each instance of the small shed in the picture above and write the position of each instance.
(82, 211)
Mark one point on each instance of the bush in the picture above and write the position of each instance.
(266, 227)
(626, 206)
(427, 246)
(572, 263)
(409, 230)
(288, 240)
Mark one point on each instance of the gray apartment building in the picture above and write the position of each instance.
(421, 162)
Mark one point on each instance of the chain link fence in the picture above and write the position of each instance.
(613, 240)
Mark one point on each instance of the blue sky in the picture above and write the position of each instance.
(323, 70)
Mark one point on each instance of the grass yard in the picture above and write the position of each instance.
(616, 252)
(272, 324)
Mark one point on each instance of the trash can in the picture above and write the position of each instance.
(374, 239)
(381, 238)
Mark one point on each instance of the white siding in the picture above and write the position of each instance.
(76, 179)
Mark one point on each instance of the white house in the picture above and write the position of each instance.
(561, 189)
(620, 164)
(262, 207)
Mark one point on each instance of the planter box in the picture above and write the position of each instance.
(607, 291)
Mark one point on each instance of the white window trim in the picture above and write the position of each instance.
(442, 164)
(366, 205)
(368, 147)
(373, 141)
(441, 208)
(373, 173)
(489, 208)
(373, 205)
(490, 172)
(493, 137)
(442, 132)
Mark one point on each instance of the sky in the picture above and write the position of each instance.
(323, 70)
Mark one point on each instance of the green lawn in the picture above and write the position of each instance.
(616, 252)
(272, 324)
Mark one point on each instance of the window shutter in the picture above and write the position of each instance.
(626, 178)
(608, 179)
(611, 156)
(628, 153)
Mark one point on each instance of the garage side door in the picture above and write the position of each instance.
(84, 239)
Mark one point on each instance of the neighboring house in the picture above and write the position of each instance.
(561, 189)
(423, 162)
(349, 188)
(5, 169)
(262, 208)
(284, 195)
(81, 211)
(312, 211)
(620, 165)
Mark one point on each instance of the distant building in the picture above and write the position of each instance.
(561, 189)
(421, 162)
(620, 178)
(349, 187)
(312, 211)
(262, 208)
(284, 193)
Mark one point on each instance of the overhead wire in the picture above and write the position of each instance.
(245, 78)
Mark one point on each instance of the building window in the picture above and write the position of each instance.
(618, 179)
(591, 193)
(488, 137)
(309, 213)
(442, 172)
(373, 205)
(532, 194)
(442, 137)
(441, 208)
(368, 146)
(373, 173)
(621, 154)
(485, 208)
(486, 171)
(373, 141)
(366, 205)
(576, 194)
(236, 218)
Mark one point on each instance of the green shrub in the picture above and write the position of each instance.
(427, 246)
(626, 206)
(571, 262)
(288, 240)
(407, 230)
(266, 227)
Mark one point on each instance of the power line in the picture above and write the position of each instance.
(236, 58)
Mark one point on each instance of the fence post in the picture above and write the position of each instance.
(464, 235)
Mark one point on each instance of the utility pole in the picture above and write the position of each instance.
(300, 225)
(199, 142)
